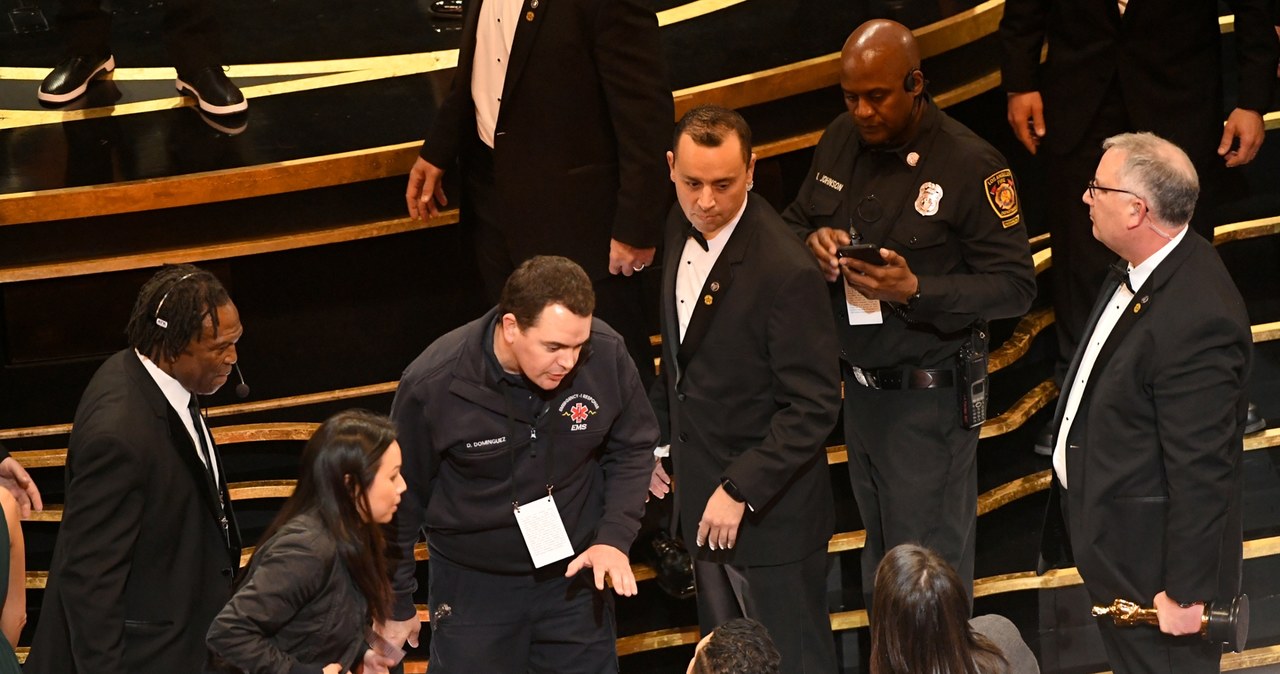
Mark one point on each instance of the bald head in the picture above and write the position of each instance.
(882, 83)
(881, 43)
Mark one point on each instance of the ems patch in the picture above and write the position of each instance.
(1002, 194)
(578, 408)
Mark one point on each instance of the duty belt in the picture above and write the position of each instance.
(899, 378)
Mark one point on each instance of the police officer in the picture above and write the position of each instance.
(942, 206)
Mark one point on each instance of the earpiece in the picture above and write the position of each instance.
(909, 82)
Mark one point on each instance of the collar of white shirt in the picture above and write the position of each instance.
(716, 245)
(179, 398)
(1138, 275)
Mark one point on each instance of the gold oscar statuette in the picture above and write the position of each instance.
(1225, 624)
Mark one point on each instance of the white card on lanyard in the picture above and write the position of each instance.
(543, 531)
(862, 309)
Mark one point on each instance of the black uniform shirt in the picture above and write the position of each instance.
(953, 215)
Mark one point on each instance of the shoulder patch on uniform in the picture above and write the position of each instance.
(1003, 196)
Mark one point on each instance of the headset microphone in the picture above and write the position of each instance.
(242, 389)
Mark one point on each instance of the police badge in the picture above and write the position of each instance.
(930, 197)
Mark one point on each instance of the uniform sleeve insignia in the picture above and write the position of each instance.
(1003, 196)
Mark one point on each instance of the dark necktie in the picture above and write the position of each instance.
(206, 453)
(697, 236)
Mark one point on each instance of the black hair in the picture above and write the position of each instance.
(740, 646)
(709, 125)
(920, 619)
(339, 463)
(543, 281)
(170, 310)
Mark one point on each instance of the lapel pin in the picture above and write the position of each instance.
(715, 286)
(528, 17)
(1137, 307)
(707, 300)
(533, 4)
(913, 158)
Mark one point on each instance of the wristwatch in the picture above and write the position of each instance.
(911, 301)
(732, 490)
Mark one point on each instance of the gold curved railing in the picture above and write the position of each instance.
(391, 160)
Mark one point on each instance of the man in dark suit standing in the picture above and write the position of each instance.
(557, 118)
(1127, 65)
(148, 544)
(748, 392)
(1148, 431)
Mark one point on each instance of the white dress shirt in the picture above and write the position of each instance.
(1102, 330)
(179, 397)
(695, 266)
(495, 33)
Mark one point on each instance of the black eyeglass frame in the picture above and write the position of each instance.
(1093, 185)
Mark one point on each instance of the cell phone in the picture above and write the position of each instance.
(866, 252)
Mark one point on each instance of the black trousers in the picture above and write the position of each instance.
(915, 475)
(191, 33)
(1147, 650)
(627, 303)
(541, 623)
(790, 600)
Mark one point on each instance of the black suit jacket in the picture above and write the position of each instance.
(1165, 55)
(1153, 457)
(581, 139)
(753, 391)
(141, 566)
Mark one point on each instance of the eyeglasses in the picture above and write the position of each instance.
(1093, 185)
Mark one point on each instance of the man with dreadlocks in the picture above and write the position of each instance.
(148, 544)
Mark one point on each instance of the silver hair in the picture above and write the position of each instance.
(1161, 172)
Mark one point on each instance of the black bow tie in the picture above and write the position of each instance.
(1121, 270)
(697, 236)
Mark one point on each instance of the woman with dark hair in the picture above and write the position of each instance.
(318, 580)
(919, 623)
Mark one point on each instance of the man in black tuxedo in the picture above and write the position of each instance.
(748, 392)
(1127, 65)
(557, 119)
(1148, 430)
(148, 544)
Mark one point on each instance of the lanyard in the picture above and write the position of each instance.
(513, 430)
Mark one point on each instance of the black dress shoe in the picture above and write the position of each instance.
(70, 79)
(447, 9)
(214, 92)
(1254, 422)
